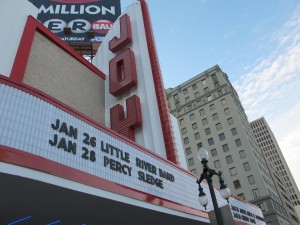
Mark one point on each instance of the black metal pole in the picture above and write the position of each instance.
(214, 200)
(207, 175)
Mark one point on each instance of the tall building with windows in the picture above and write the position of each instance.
(210, 114)
(271, 151)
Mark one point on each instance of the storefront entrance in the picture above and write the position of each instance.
(29, 202)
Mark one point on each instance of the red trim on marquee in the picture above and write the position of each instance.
(21, 158)
(159, 89)
(21, 60)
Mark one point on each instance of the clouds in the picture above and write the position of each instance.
(271, 80)
(272, 89)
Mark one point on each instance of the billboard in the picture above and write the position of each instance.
(81, 16)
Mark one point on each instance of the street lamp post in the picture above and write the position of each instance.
(207, 174)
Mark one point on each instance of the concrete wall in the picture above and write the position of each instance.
(182, 160)
(12, 27)
(53, 71)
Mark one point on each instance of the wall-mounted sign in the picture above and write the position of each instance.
(246, 213)
(80, 16)
(135, 93)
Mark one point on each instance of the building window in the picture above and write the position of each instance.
(176, 97)
(217, 84)
(222, 136)
(204, 121)
(194, 126)
(202, 112)
(199, 102)
(237, 184)
(179, 112)
(197, 135)
(192, 116)
(220, 92)
(223, 101)
(181, 122)
(199, 145)
(191, 161)
(227, 111)
(203, 82)
(230, 121)
(186, 140)
(251, 179)
(219, 126)
(238, 142)
(217, 164)
(214, 152)
(215, 116)
(212, 107)
(210, 141)
(234, 131)
(189, 107)
(241, 196)
(185, 91)
(214, 77)
(262, 207)
(177, 104)
(225, 148)
(242, 154)
(229, 159)
(194, 86)
(188, 151)
(232, 171)
(209, 98)
(247, 166)
(193, 171)
(187, 99)
(183, 131)
(255, 193)
(206, 90)
(207, 131)
(197, 94)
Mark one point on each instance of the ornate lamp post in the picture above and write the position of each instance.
(207, 174)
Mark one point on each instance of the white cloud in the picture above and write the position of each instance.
(268, 81)
(272, 89)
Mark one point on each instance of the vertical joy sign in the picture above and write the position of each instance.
(123, 77)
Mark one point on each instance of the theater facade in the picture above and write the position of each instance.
(84, 143)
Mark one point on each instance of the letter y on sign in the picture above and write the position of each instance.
(126, 126)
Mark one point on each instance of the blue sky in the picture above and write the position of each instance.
(257, 43)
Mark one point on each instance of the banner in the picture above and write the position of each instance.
(80, 16)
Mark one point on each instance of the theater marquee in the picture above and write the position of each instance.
(100, 128)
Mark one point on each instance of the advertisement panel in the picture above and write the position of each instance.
(245, 213)
(81, 16)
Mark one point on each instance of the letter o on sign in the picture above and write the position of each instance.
(55, 25)
(122, 73)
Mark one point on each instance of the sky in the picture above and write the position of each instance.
(256, 42)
